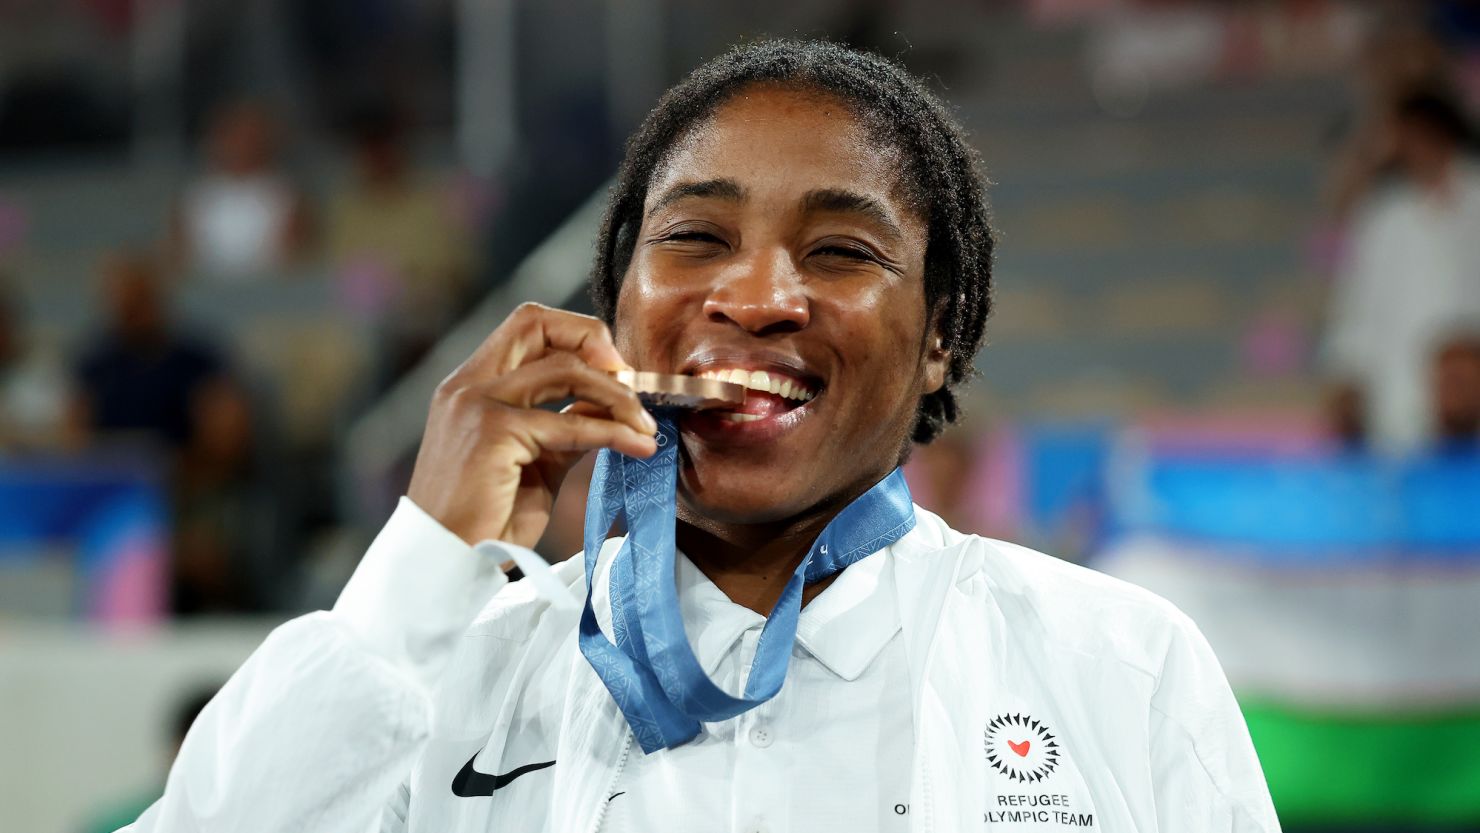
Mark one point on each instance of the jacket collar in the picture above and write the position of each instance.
(850, 622)
(845, 627)
(923, 568)
(918, 559)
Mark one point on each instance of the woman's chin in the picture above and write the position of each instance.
(740, 497)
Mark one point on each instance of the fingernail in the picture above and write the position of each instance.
(652, 424)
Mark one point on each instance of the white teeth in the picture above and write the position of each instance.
(734, 417)
(762, 381)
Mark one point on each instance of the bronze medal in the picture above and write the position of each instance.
(672, 390)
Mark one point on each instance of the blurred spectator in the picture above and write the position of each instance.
(1399, 58)
(243, 218)
(219, 509)
(126, 812)
(1346, 416)
(142, 379)
(140, 376)
(401, 253)
(1413, 271)
(33, 386)
(1457, 393)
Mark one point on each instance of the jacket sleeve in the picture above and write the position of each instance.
(326, 718)
(1206, 776)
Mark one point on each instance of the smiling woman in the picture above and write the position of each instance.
(913, 149)
(779, 239)
(782, 639)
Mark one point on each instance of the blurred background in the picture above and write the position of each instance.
(1235, 356)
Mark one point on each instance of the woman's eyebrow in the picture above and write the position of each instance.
(725, 189)
(840, 201)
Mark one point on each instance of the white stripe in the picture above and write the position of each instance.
(1363, 638)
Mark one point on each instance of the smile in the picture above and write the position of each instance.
(764, 382)
(779, 394)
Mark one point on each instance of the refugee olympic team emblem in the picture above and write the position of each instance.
(1021, 747)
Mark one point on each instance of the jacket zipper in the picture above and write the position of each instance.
(926, 806)
(612, 782)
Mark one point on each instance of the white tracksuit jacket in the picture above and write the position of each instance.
(359, 718)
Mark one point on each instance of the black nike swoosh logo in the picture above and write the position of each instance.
(470, 783)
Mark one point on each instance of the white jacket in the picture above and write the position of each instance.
(360, 718)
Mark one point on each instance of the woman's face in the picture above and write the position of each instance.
(773, 242)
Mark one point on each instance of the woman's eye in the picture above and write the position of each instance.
(691, 237)
(845, 251)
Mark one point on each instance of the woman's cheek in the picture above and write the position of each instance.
(651, 314)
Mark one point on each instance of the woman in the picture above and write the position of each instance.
(809, 221)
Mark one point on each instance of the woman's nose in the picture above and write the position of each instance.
(762, 295)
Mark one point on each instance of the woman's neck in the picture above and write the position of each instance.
(751, 563)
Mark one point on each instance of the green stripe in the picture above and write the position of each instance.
(1324, 767)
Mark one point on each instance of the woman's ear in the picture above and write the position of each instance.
(936, 362)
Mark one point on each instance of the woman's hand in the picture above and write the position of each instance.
(491, 461)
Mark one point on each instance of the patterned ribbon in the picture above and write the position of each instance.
(651, 671)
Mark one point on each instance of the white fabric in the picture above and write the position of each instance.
(236, 225)
(546, 583)
(329, 726)
(843, 718)
(1413, 275)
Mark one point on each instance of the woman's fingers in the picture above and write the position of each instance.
(560, 376)
(533, 331)
(491, 454)
(569, 432)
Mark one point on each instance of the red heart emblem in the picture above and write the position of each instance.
(1020, 748)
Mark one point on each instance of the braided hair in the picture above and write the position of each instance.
(940, 178)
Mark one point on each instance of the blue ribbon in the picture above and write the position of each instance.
(651, 671)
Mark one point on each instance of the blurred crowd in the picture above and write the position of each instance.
(398, 252)
(223, 244)
(1396, 349)
(1403, 335)
(403, 250)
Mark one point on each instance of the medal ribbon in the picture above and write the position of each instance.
(651, 671)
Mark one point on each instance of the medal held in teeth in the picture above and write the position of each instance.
(671, 390)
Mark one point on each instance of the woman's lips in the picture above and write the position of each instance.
(762, 418)
(778, 397)
(756, 406)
